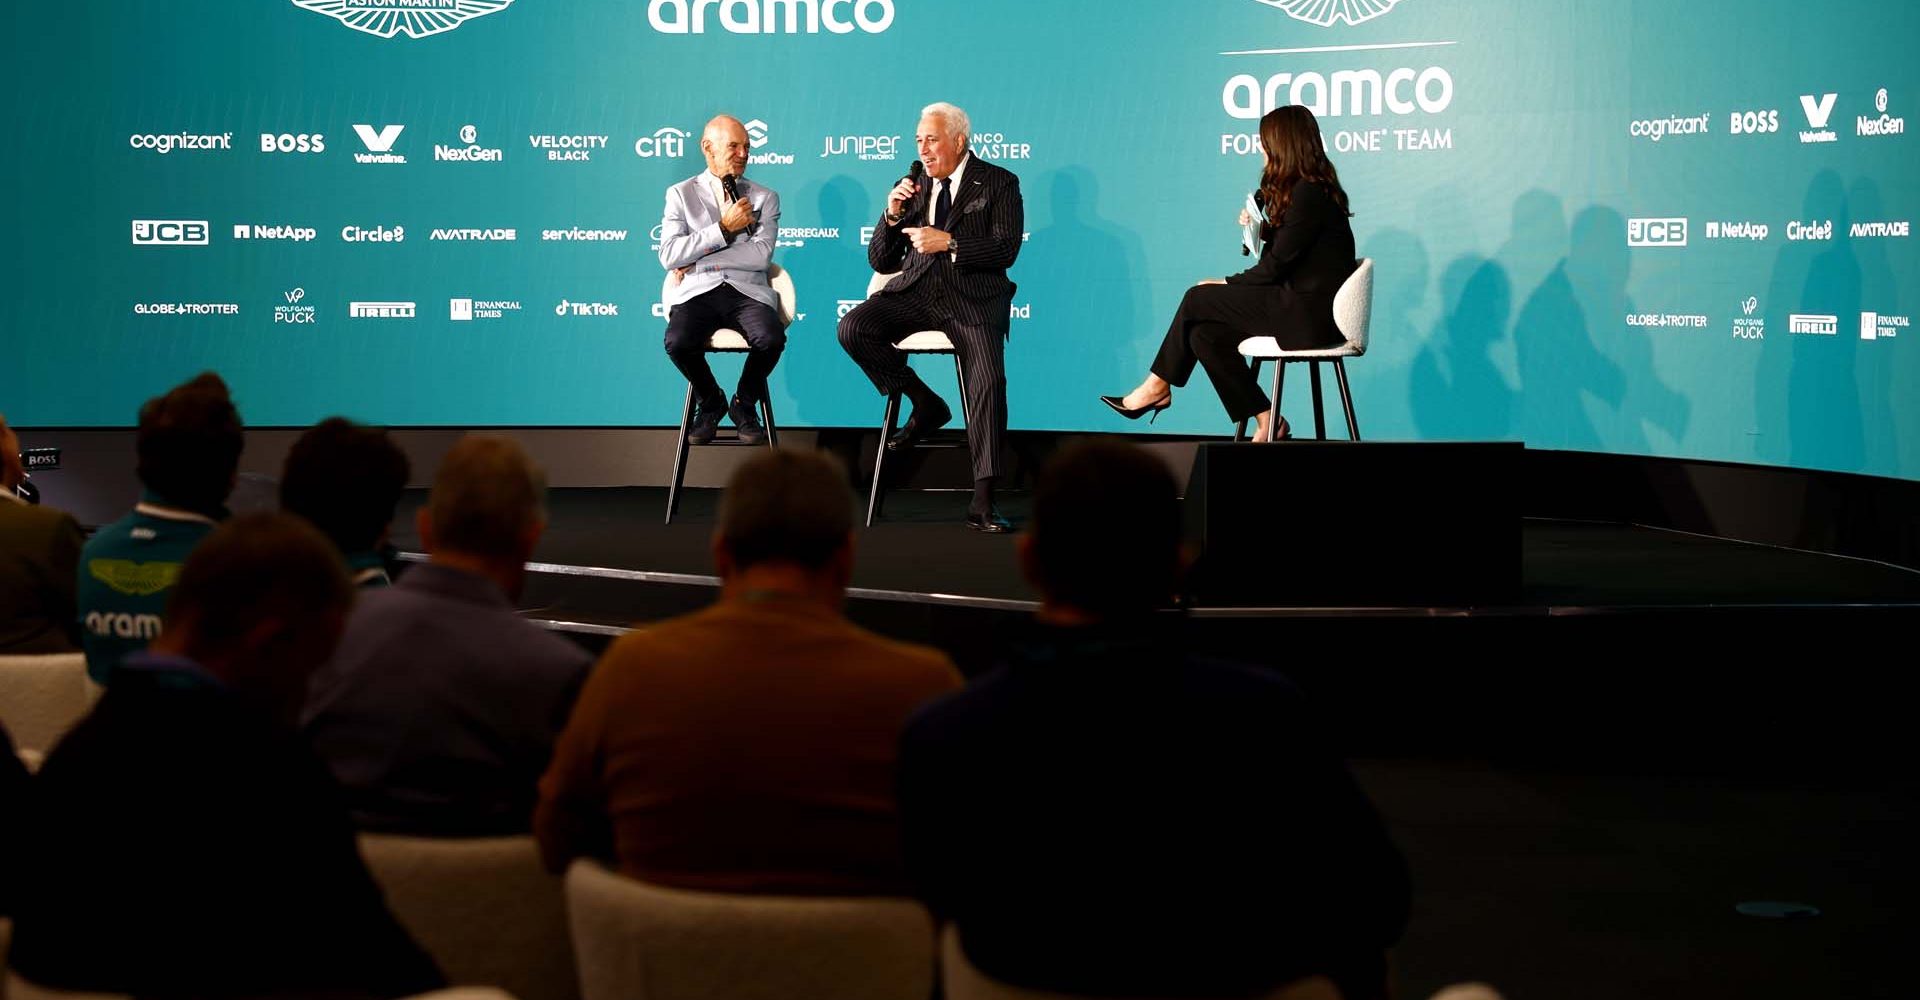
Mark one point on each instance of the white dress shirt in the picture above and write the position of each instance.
(953, 190)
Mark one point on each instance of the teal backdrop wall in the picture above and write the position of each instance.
(1636, 227)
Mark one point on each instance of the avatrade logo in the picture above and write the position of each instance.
(1750, 324)
(775, 17)
(862, 147)
(1753, 232)
(583, 235)
(297, 234)
(1326, 13)
(1880, 326)
(996, 146)
(1882, 124)
(1880, 230)
(568, 148)
(1657, 129)
(667, 143)
(1656, 232)
(469, 151)
(1813, 325)
(170, 233)
(474, 235)
(293, 142)
(381, 310)
(415, 18)
(468, 310)
(577, 309)
(757, 136)
(164, 144)
(1816, 232)
(1819, 110)
(294, 312)
(379, 143)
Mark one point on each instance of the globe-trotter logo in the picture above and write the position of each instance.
(415, 18)
(1326, 13)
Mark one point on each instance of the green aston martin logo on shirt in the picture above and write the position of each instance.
(136, 579)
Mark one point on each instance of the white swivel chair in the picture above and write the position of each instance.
(43, 696)
(923, 342)
(635, 941)
(961, 981)
(1353, 315)
(728, 341)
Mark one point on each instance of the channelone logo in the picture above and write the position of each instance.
(468, 310)
(379, 143)
(1750, 325)
(667, 143)
(1880, 326)
(757, 136)
(381, 310)
(1656, 232)
(776, 17)
(1813, 325)
(1881, 125)
(414, 18)
(164, 144)
(294, 312)
(1819, 111)
(170, 233)
(1326, 13)
(469, 150)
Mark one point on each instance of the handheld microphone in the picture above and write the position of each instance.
(726, 184)
(916, 172)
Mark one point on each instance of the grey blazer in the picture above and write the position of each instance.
(691, 237)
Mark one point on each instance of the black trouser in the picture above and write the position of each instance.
(1207, 329)
(869, 332)
(691, 325)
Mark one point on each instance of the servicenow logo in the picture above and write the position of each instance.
(1326, 13)
(773, 17)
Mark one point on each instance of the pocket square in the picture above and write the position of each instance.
(975, 205)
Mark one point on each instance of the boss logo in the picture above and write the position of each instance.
(1755, 122)
(288, 142)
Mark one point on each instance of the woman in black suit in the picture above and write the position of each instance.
(1288, 295)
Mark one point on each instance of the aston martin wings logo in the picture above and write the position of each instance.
(1325, 12)
(135, 579)
(418, 18)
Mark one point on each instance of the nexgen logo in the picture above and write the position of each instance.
(1818, 110)
(381, 141)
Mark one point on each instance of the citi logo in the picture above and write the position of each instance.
(1813, 326)
(1656, 232)
(416, 18)
(1819, 110)
(1326, 13)
(788, 17)
(170, 233)
(670, 143)
(381, 310)
(379, 144)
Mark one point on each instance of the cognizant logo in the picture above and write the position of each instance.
(771, 17)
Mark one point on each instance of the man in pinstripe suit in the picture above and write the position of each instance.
(952, 239)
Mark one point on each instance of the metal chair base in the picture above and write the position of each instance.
(876, 497)
(684, 447)
(1319, 413)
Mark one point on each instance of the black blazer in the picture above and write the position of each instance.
(1310, 253)
(988, 221)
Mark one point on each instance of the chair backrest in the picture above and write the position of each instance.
(777, 278)
(1353, 306)
(41, 697)
(961, 981)
(879, 281)
(635, 941)
(483, 907)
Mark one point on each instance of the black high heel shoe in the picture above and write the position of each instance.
(1117, 403)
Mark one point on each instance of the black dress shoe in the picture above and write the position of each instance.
(746, 422)
(990, 523)
(925, 420)
(1118, 404)
(706, 421)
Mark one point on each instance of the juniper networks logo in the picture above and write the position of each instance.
(1327, 13)
(414, 18)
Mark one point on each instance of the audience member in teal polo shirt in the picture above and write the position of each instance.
(347, 479)
(188, 448)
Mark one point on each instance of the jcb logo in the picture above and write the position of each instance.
(169, 233)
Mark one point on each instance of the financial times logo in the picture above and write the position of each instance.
(1326, 13)
(1656, 232)
(414, 18)
(670, 143)
(170, 233)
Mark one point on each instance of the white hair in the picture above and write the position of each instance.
(957, 121)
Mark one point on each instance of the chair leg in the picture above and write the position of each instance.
(680, 457)
(1346, 398)
(960, 380)
(1319, 411)
(1240, 429)
(766, 415)
(1273, 412)
(880, 456)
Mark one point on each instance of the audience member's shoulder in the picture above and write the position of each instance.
(39, 520)
(908, 656)
(1241, 677)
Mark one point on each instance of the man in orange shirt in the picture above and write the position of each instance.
(749, 747)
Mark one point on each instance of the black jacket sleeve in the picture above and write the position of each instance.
(1305, 217)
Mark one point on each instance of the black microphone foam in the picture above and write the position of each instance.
(726, 184)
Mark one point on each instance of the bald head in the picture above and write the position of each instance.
(725, 144)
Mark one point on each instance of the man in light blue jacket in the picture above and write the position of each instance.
(716, 238)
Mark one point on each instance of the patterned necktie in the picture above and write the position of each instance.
(943, 206)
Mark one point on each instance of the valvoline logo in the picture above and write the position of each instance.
(1326, 12)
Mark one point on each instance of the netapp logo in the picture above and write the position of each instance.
(468, 310)
(1819, 110)
(1879, 326)
(1659, 128)
(1813, 326)
(186, 309)
(576, 309)
(1656, 232)
(417, 18)
(298, 234)
(763, 17)
(568, 148)
(1749, 325)
(1880, 230)
(293, 312)
(1326, 13)
(378, 234)
(475, 235)
(864, 147)
(1664, 321)
(293, 142)
(1755, 122)
(1753, 231)
(381, 310)
(1817, 232)
(170, 233)
(379, 144)
(1881, 125)
(583, 235)
(164, 144)
(670, 143)
(470, 152)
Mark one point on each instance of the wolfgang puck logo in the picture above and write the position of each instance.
(413, 18)
(1327, 13)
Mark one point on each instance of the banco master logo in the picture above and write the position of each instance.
(416, 18)
(1326, 13)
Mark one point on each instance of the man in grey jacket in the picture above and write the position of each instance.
(716, 238)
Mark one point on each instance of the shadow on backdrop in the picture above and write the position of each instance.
(1458, 392)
